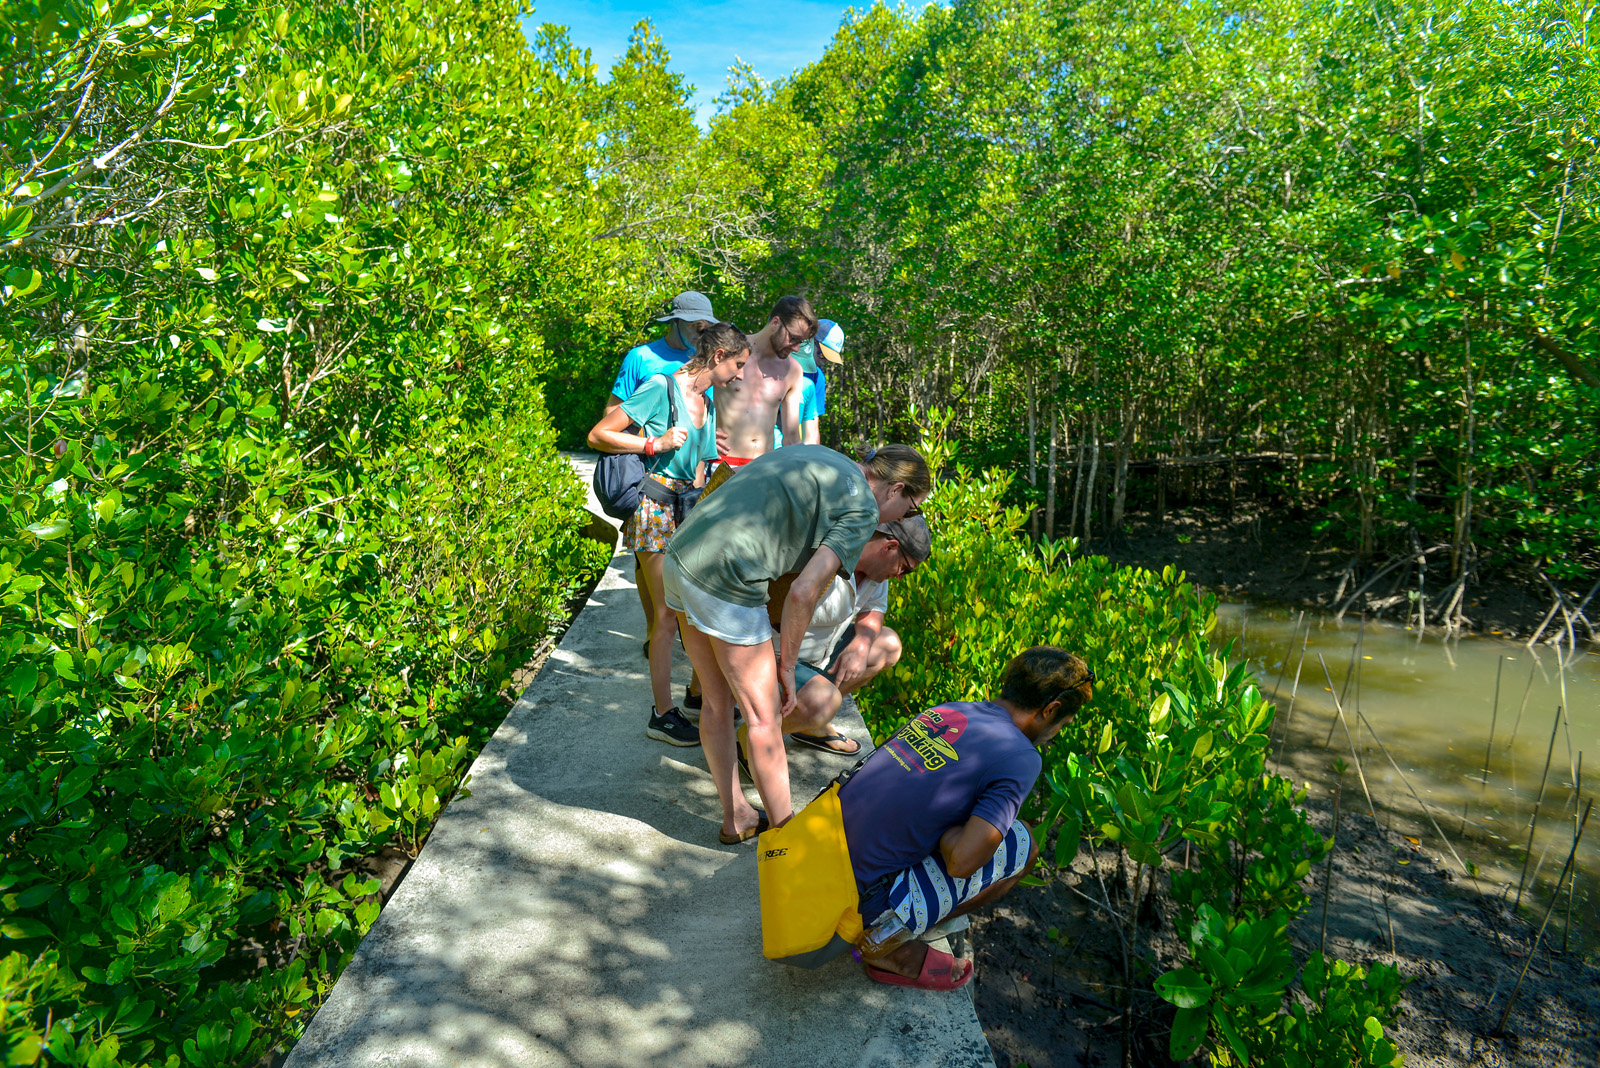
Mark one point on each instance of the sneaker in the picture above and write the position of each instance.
(692, 701)
(671, 727)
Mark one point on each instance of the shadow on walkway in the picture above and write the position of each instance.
(577, 910)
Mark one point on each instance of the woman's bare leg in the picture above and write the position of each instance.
(663, 629)
(751, 672)
(716, 731)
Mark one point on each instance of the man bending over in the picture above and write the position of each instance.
(847, 644)
(931, 817)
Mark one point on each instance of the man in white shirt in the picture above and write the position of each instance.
(847, 644)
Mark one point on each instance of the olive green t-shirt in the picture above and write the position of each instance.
(770, 518)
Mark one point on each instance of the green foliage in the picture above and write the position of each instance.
(1359, 239)
(282, 506)
(1171, 753)
(1236, 991)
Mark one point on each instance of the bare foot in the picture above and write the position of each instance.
(905, 959)
(742, 824)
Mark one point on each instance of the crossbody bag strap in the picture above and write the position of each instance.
(650, 487)
(672, 405)
(847, 774)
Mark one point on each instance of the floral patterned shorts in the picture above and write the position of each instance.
(649, 528)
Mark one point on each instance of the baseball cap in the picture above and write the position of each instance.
(912, 532)
(691, 307)
(806, 356)
(830, 340)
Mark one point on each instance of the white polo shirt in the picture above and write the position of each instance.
(839, 607)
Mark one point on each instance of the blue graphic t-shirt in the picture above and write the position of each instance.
(950, 763)
(656, 358)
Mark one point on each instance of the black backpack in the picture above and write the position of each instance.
(620, 480)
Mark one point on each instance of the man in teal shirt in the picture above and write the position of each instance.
(690, 313)
(828, 344)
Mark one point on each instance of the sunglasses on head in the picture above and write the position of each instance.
(1088, 677)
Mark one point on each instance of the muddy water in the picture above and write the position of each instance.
(1432, 703)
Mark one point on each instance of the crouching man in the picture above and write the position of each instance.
(847, 645)
(931, 817)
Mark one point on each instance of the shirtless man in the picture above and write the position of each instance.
(770, 392)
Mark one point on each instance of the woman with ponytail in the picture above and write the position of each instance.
(676, 454)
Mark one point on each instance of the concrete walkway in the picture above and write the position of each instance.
(577, 910)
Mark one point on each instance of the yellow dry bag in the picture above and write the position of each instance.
(808, 889)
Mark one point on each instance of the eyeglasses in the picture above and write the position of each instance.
(915, 509)
(789, 341)
(1087, 678)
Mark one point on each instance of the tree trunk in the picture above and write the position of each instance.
(1094, 472)
(1119, 500)
(878, 396)
(1050, 492)
(1033, 450)
(1461, 542)
(1077, 485)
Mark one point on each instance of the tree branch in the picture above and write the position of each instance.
(1568, 360)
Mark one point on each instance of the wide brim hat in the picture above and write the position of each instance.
(691, 307)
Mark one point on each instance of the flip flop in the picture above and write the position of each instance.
(939, 972)
(761, 825)
(820, 741)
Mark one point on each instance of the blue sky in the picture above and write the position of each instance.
(776, 37)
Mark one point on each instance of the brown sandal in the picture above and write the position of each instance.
(735, 839)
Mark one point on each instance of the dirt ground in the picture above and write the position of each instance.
(1279, 557)
(1050, 988)
(1050, 992)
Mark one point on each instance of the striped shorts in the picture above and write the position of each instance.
(925, 893)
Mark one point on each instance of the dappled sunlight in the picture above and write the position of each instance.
(576, 909)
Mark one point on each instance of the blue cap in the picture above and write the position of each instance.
(830, 341)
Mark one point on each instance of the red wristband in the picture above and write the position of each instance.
(649, 446)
